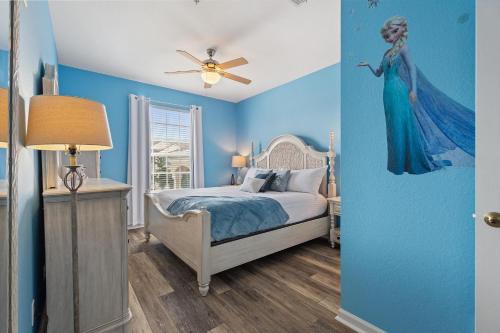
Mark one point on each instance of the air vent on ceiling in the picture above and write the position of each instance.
(299, 2)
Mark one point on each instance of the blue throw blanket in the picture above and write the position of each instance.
(232, 216)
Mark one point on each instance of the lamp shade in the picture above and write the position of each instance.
(4, 117)
(57, 122)
(239, 161)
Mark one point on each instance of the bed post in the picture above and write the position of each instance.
(203, 272)
(332, 186)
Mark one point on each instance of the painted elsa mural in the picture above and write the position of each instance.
(426, 129)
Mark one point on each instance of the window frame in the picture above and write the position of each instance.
(166, 107)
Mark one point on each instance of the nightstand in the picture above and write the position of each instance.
(102, 250)
(334, 210)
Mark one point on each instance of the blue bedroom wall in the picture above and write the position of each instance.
(219, 120)
(407, 241)
(308, 107)
(4, 66)
(37, 46)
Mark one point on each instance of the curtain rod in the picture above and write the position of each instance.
(170, 105)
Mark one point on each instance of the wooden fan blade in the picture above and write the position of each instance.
(236, 78)
(185, 72)
(233, 63)
(190, 57)
(206, 85)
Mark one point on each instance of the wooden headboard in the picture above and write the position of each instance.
(291, 152)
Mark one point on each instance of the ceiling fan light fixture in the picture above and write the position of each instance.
(210, 77)
(211, 70)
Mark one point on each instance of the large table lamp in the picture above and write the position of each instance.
(70, 124)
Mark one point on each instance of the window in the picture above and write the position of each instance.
(170, 131)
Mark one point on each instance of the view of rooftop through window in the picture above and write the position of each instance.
(170, 148)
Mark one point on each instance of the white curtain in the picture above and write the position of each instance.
(197, 169)
(138, 158)
(50, 159)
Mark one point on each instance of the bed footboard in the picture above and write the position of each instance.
(187, 235)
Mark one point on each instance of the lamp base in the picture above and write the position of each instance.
(239, 179)
(73, 179)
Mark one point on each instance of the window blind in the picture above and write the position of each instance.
(170, 131)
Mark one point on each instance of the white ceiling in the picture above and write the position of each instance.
(137, 40)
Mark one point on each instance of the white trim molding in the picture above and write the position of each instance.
(356, 323)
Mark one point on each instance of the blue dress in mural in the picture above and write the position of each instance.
(426, 129)
(432, 132)
(405, 143)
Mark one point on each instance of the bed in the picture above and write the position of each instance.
(189, 235)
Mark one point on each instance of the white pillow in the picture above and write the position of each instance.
(252, 185)
(307, 180)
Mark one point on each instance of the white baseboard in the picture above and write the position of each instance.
(356, 323)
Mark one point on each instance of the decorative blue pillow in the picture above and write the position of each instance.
(269, 181)
(262, 175)
(269, 177)
(280, 181)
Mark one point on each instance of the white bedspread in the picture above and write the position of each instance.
(299, 206)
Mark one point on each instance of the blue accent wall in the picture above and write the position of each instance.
(37, 46)
(308, 107)
(407, 241)
(219, 120)
(4, 68)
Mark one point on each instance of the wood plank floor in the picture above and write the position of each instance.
(296, 290)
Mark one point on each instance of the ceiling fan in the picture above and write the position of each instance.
(211, 70)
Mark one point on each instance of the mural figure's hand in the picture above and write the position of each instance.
(376, 72)
(413, 97)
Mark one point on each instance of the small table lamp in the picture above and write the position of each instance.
(69, 124)
(239, 162)
(4, 117)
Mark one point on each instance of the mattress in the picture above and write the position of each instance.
(299, 206)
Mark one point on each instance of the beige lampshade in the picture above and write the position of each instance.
(56, 122)
(239, 161)
(4, 117)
